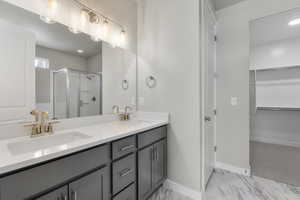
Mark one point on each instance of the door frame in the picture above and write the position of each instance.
(206, 5)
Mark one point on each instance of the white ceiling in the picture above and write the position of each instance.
(54, 36)
(220, 4)
(274, 28)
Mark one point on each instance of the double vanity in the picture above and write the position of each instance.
(112, 160)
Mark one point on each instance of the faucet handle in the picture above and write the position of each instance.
(115, 107)
(36, 129)
(36, 114)
(49, 128)
(45, 116)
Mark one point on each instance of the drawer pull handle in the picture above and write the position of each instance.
(127, 147)
(126, 172)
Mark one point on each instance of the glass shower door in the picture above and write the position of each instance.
(89, 94)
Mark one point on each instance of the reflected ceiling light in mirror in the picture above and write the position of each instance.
(294, 22)
(84, 16)
(80, 51)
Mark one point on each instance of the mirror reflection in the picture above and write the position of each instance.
(75, 76)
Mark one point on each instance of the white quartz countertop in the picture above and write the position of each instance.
(97, 134)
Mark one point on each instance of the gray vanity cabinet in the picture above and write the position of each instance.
(59, 194)
(94, 186)
(152, 161)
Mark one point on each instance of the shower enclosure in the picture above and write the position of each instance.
(76, 94)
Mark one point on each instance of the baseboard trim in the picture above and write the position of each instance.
(233, 169)
(195, 195)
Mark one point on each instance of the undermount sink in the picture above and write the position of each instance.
(44, 142)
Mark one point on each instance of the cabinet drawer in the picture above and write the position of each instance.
(38, 179)
(127, 194)
(151, 136)
(123, 147)
(124, 173)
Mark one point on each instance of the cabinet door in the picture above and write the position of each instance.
(17, 75)
(94, 186)
(159, 163)
(59, 194)
(145, 173)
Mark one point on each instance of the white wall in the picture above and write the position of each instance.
(233, 50)
(282, 53)
(169, 50)
(117, 65)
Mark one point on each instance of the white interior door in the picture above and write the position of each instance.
(209, 63)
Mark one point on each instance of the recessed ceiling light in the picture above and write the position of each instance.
(294, 22)
(79, 51)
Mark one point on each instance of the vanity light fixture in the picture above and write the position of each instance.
(105, 28)
(90, 21)
(294, 22)
(80, 51)
(122, 37)
(84, 15)
(52, 6)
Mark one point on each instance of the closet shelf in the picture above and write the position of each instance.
(274, 68)
(278, 108)
(279, 82)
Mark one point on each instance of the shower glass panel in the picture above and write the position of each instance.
(76, 94)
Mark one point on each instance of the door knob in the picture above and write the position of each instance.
(207, 119)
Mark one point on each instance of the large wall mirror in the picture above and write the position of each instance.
(76, 75)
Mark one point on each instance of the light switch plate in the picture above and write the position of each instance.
(234, 101)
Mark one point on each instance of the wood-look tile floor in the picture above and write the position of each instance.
(228, 186)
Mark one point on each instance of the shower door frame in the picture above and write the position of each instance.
(67, 71)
